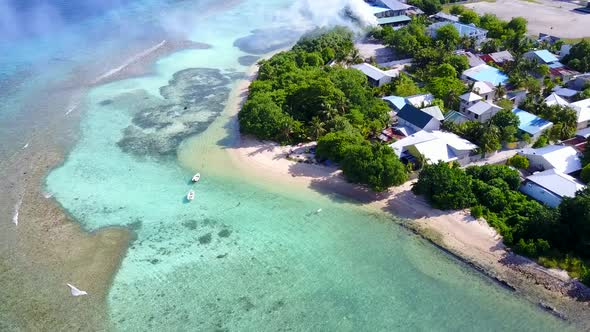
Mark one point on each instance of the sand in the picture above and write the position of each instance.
(556, 18)
(472, 241)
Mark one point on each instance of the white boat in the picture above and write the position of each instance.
(75, 291)
(197, 177)
(191, 195)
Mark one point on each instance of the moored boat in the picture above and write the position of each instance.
(196, 177)
(191, 195)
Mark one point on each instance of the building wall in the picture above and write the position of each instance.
(434, 124)
(487, 115)
(405, 123)
(537, 162)
(540, 194)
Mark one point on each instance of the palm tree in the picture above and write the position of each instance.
(354, 57)
(316, 128)
(500, 91)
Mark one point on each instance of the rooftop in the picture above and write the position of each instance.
(546, 56)
(435, 145)
(482, 87)
(502, 56)
(378, 9)
(470, 96)
(556, 182)
(435, 112)
(420, 100)
(531, 123)
(414, 116)
(554, 99)
(465, 30)
(393, 19)
(486, 73)
(445, 16)
(371, 71)
(397, 101)
(482, 107)
(565, 92)
(456, 117)
(582, 109)
(563, 158)
(395, 5)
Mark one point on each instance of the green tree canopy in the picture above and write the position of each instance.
(579, 56)
(448, 36)
(445, 186)
(469, 16)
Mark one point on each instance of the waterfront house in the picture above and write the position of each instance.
(434, 146)
(542, 57)
(416, 119)
(582, 109)
(562, 158)
(531, 124)
(485, 73)
(482, 111)
(376, 76)
(550, 187)
(465, 30)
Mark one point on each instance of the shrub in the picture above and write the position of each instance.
(518, 161)
(477, 211)
(585, 174)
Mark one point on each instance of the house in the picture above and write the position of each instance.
(416, 119)
(473, 59)
(579, 82)
(376, 76)
(553, 99)
(486, 90)
(564, 159)
(550, 187)
(465, 30)
(485, 73)
(563, 72)
(467, 100)
(565, 93)
(531, 124)
(582, 109)
(396, 103)
(394, 21)
(455, 117)
(516, 97)
(393, 13)
(421, 100)
(498, 58)
(543, 37)
(435, 111)
(541, 57)
(565, 50)
(434, 146)
(444, 17)
(482, 111)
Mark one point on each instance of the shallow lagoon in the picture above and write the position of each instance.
(243, 256)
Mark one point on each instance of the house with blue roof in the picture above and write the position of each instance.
(395, 102)
(542, 57)
(465, 30)
(531, 124)
(485, 73)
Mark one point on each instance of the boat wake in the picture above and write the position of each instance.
(129, 62)
(16, 211)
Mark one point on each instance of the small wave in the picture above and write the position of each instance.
(47, 195)
(26, 146)
(71, 109)
(132, 60)
(16, 211)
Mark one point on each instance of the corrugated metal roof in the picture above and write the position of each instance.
(487, 74)
(393, 19)
(395, 5)
(546, 56)
(561, 184)
(414, 116)
(397, 101)
(371, 71)
(561, 157)
(531, 123)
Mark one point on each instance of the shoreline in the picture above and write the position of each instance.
(471, 241)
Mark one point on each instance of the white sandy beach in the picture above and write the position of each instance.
(473, 241)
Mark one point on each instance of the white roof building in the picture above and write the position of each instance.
(421, 100)
(435, 146)
(582, 109)
(550, 186)
(481, 87)
(376, 76)
(435, 111)
(470, 97)
(562, 158)
(555, 99)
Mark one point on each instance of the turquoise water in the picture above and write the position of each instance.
(243, 256)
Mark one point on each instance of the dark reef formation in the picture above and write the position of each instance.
(191, 102)
(267, 40)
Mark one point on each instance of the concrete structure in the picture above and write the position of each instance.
(465, 30)
(484, 89)
(485, 73)
(531, 124)
(482, 111)
(416, 119)
(516, 97)
(579, 82)
(541, 57)
(550, 187)
(564, 159)
(393, 13)
(434, 146)
(467, 100)
(582, 109)
(376, 76)
(444, 17)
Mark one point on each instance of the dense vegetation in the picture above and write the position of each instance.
(530, 228)
(298, 97)
(579, 57)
